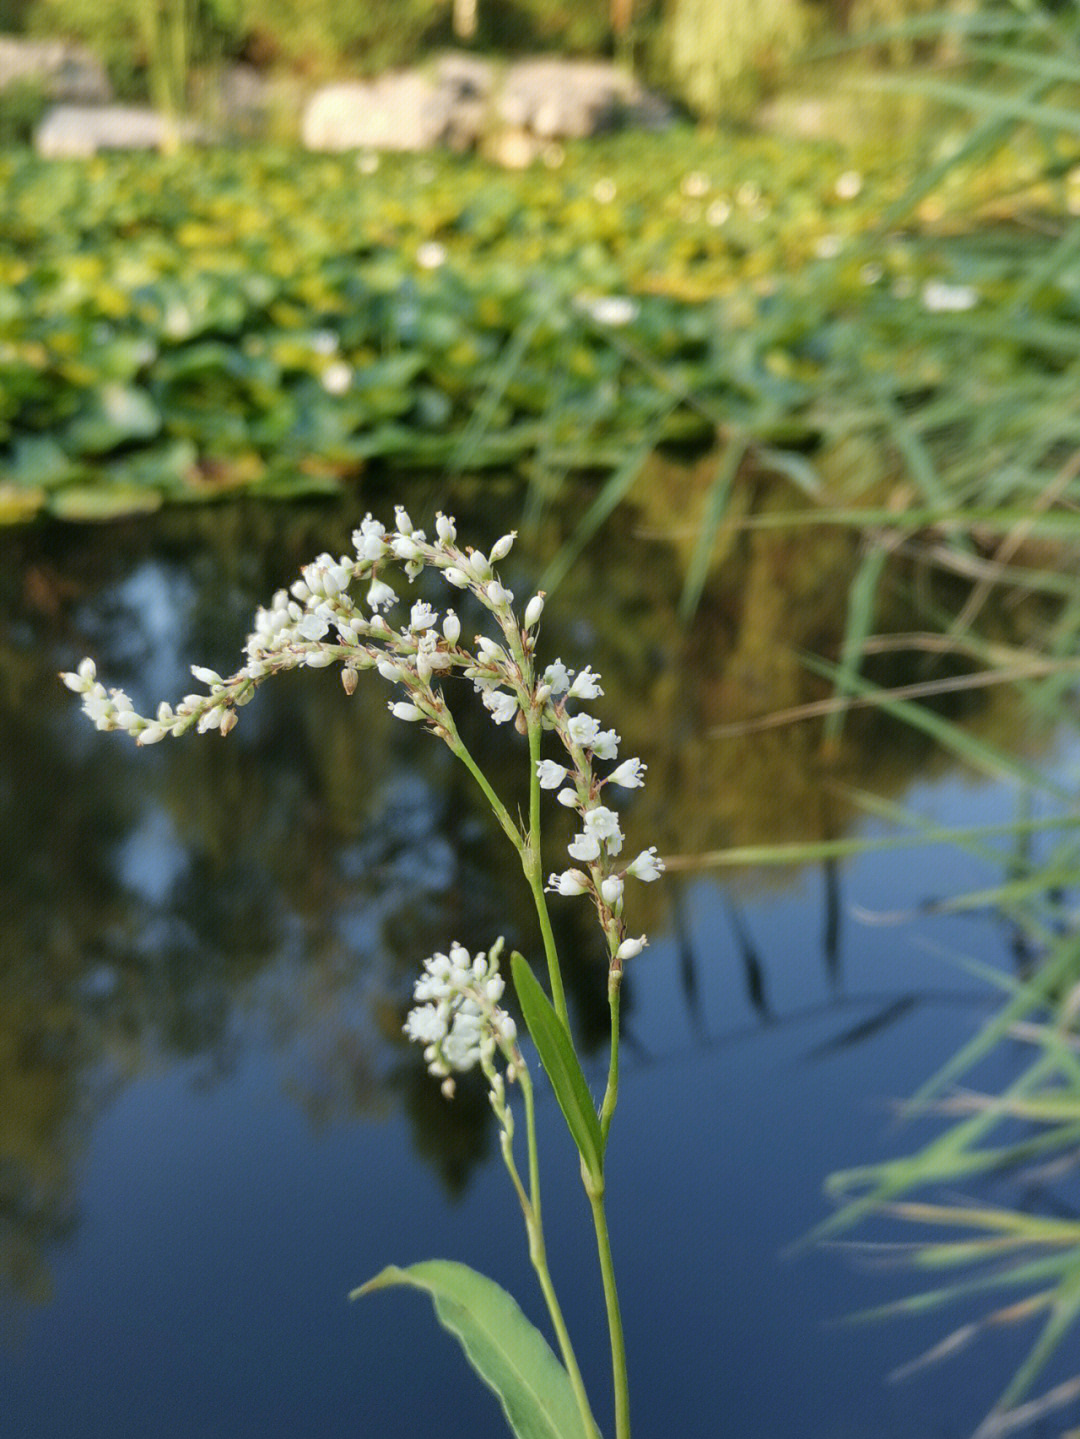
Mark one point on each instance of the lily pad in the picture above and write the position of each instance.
(89, 503)
(116, 415)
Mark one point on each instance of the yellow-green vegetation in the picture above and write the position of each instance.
(180, 328)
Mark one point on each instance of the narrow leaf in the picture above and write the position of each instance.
(557, 1055)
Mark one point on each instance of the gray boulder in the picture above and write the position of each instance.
(560, 99)
(62, 70)
(463, 100)
(401, 111)
(70, 131)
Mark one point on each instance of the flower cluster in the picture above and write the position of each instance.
(458, 1019)
(320, 621)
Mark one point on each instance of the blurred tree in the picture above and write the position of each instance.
(721, 52)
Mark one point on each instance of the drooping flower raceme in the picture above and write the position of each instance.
(337, 613)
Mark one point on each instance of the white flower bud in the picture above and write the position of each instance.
(502, 547)
(401, 519)
(478, 565)
(567, 797)
(451, 628)
(631, 948)
(456, 577)
(498, 594)
(612, 890)
(444, 528)
(571, 881)
(533, 610)
(402, 710)
(151, 734)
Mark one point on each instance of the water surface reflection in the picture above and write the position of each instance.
(209, 1123)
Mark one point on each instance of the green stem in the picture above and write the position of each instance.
(532, 863)
(611, 1093)
(538, 1257)
(502, 814)
(614, 1316)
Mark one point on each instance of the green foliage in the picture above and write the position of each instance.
(21, 107)
(556, 1050)
(508, 1353)
(149, 46)
(166, 336)
(323, 36)
(722, 53)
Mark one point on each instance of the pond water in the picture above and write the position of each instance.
(210, 1129)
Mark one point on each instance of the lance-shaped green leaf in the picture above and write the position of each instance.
(508, 1352)
(557, 1055)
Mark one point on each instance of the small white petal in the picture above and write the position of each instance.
(585, 847)
(551, 775)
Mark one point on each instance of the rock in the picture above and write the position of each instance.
(69, 131)
(463, 100)
(63, 71)
(570, 99)
(400, 111)
(466, 75)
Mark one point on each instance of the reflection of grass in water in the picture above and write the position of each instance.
(973, 472)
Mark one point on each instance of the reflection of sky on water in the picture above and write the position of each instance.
(230, 1192)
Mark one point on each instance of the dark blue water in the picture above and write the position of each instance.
(243, 1140)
